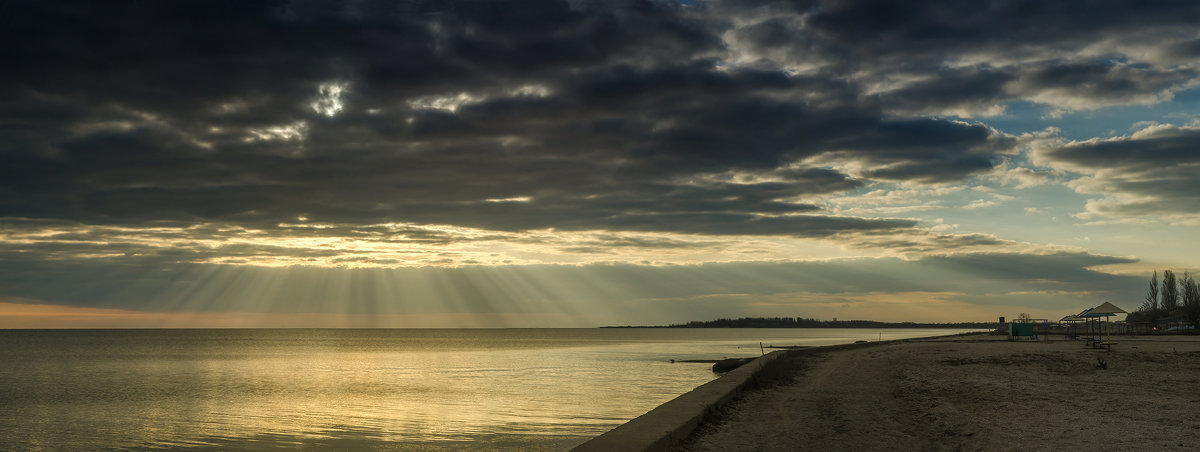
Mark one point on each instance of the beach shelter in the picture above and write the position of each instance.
(1083, 316)
(1104, 311)
(1071, 320)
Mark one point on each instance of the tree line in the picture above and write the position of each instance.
(798, 322)
(1170, 299)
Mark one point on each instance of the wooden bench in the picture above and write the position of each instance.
(1106, 344)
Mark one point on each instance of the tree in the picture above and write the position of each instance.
(1170, 292)
(1152, 294)
(1191, 298)
(1024, 317)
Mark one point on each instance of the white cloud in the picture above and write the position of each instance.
(445, 102)
(329, 98)
(1146, 176)
(451, 102)
(295, 131)
(981, 204)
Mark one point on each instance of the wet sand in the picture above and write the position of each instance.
(973, 393)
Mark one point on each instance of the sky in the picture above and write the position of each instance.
(582, 163)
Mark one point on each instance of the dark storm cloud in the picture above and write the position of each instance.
(970, 89)
(950, 56)
(926, 150)
(940, 26)
(1185, 49)
(1104, 81)
(605, 116)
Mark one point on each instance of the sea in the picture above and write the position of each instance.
(358, 389)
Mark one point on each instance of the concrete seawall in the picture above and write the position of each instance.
(673, 421)
(669, 424)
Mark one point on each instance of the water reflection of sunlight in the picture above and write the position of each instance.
(358, 389)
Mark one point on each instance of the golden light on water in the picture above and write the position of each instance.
(25, 315)
(360, 389)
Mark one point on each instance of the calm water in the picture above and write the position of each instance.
(539, 389)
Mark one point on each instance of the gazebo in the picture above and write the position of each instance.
(1104, 311)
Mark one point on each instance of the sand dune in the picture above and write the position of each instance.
(979, 393)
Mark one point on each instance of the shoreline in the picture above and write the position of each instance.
(675, 421)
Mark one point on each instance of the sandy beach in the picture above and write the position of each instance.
(972, 393)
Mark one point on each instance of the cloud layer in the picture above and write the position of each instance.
(153, 137)
(623, 118)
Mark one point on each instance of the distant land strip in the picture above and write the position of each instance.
(797, 322)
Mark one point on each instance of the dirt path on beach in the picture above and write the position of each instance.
(981, 394)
